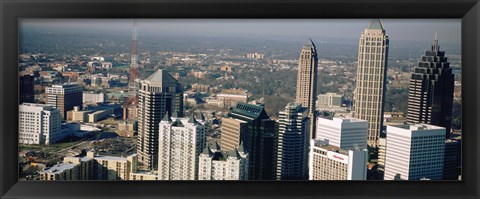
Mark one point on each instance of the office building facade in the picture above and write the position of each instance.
(216, 164)
(257, 132)
(430, 93)
(414, 152)
(370, 83)
(158, 95)
(346, 133)
(180, 142)
(39, 124)
(27, 92)
(292, 143)
(327, 162)
(64, 97)
(306, 93)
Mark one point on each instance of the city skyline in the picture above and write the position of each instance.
(239, 113)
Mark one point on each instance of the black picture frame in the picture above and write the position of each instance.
(13, 10)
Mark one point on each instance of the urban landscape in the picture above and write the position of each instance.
(137, 104)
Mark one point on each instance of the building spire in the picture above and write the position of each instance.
(375, 24)
(435, 46)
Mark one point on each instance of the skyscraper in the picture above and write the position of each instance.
(257, 132)
(370, 83)
(292, 144)
(158, 95)
(64, 97)
(430, 95)
(180, 142)
(216, 164)
(346, 133)
(27, 93)
(307, 81)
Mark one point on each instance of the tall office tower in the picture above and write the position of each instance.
(346, 133)
(251, 125)
(370, 83)
(307, 81)
(292, 145)
(180, 142)
(39, 124)
(216, 164)
(430, 95)
(158, 95)
(64, 97)
(328, 162)
(414, 152)
(27, 93)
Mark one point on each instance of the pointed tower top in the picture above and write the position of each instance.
(202, 117)
(162, 77)
(192, 120)
(166, 118)
(375, 24)
(207, 150)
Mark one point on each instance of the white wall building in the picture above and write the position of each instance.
(329, 100)
(215, 164)
(414, 152)
(180, 142)
(346, 133)
(39, 124)
(329, 162)
(93, 97)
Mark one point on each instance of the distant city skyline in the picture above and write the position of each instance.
(415, 30)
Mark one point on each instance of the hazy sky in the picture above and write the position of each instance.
(416, 30)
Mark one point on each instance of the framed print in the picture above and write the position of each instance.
(280, 99)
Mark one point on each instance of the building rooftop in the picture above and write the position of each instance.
(58, 168)
(321, 144)
(161, 77)
(375, 24)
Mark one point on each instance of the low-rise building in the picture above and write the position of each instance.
(329, 162)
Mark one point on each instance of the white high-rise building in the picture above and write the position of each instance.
(39, 124)
(346, 133)
(180, 142)
(93, 97)
(414, 152)
(329, 162)
(215, 164)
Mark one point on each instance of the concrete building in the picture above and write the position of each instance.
(414, 152)
(39, 124)
(371, 75)
(329, 100)
(306, 92)
(64, 97)
(327, 162)
(93, 98)
(127, 128)
(251, 125)
(144, 175)
(430, 93)
(158, 95)
(292, 143)
(215, 164)
(180, 142)
(346, 133)
(107, 65)
(92, 167)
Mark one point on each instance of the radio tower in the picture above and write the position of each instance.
(129, 111)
